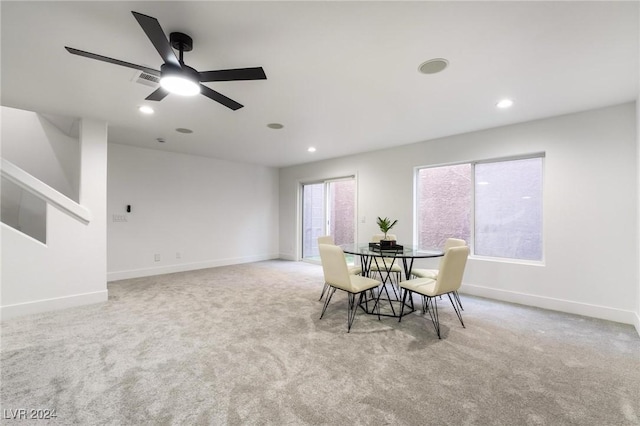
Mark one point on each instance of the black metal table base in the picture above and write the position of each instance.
(388, 306)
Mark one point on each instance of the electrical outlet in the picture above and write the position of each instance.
(156, 257)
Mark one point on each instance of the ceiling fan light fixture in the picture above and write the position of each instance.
(180, 81)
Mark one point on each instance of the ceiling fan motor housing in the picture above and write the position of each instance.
(181, 42)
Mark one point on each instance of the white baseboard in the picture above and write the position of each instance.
(637, 322)
(183, 267)
(287, 257)
(58, 303)
(595, 311)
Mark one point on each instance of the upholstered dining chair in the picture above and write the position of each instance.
(378, 264)
(353, 270)
(326, 239)
(448, 280)
(433, 273)
(337, 277)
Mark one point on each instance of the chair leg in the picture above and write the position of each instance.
(455, 308)
(455, 294)
(413, 308)
(324, 289)
(352, 308)
(404, 298)
(332, 290)
(433, 313)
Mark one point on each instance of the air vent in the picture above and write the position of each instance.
(150, 80)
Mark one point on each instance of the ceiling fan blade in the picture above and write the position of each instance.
(112, 61)
(212, 94)
(159, 94)
(256, 73)
(153, 30)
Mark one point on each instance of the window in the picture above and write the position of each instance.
(443, 204)
(501, 201)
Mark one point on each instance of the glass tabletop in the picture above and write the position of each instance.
(406, 251)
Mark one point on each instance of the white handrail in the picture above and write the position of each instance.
(24, 180)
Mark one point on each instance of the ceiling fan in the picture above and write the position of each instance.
(175, 76)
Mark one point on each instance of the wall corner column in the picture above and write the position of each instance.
(93, 196)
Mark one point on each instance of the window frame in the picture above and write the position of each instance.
(472, 211)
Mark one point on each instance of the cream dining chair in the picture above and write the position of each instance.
(448, 280)
(337, 277)
(433, 273)
(353, 270)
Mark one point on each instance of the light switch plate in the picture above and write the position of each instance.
(119, 218)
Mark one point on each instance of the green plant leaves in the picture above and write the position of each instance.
(385, 224)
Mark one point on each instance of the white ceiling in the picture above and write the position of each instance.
(341, 76)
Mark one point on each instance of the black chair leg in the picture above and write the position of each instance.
(324, 289)
(433, 313)
(352, 308)
(404, 298)
(455, 308)
(457, 296)
(332, 290)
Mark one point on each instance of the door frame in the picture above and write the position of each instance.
(300, 210)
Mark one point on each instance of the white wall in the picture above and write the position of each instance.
(35, 145)
(637, 318)
(590, 208)
(70, 269)
(212, 212)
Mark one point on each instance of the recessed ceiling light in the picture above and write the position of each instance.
(145, 109)
(183, 130)
(433, 66)
(483, 183)
(275, 126)
(505, 103)
(311, 149)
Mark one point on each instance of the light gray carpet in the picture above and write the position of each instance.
(243, 345)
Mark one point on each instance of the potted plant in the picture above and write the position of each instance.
(385, 226)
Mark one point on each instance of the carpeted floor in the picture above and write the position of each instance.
(243, 345)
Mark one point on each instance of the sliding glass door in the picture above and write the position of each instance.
(328, 208)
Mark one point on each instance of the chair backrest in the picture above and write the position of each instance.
(334, 266)
(326, 239)
(451, 242)
(452, 269)
(377, 237)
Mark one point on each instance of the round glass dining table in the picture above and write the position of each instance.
(384, 259)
